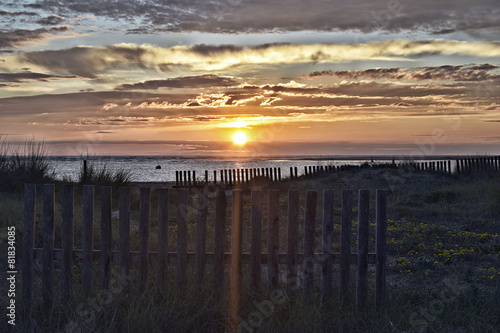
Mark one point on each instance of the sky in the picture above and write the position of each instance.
(297, 77)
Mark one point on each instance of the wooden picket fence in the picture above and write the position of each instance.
(297, 263)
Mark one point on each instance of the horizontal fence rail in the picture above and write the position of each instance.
(252, 176)
(306, 264)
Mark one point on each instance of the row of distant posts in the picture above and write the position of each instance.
(229, 177)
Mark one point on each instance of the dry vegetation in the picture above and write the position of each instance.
(443, 269)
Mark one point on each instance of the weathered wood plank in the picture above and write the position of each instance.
(345, 245)
(363, 224)
(27, 248)
(124, 232)
(292, 240)
(161, 268)
(67, 243)
(87, 235)
(182, 219)
(308, 262)
(381, 248)
(256, 239)
(48, 247)
(144, 225)
(201, 238)
(327, 248)
(106, 237)
(273, 240)
(220, 228)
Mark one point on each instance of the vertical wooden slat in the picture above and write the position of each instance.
(48, 247)
(106, 237)
(144, 223)
(363, 224)
(201, 239)
(273, 240)
(309, 236)
(67, 243)
(292, 239)
(327, 248)
(380, 247)
(87, 234)
(236, 238)
(124, 231)
(27, 248)
(256, 238)
(161, 272)
(182, 217)
(220, 228)
(345, 245)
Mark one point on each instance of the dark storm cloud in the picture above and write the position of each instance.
(18, 37)
(438, 73)
(442, 17)
(182, 82)
(29, 76)
(50, 20)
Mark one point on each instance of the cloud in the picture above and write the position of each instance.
(51, 20)
(92, 61)
(438, 73)
(29, 76)
(199, 81)
(226, 16)
(19, 37)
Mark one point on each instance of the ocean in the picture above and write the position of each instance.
(143, 168)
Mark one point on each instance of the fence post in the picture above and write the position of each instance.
(220, 228)
(162, 238)
(309, 237)
(201, 238)
(87, 235)
(27, 248)
(235, 257)
(144, 222)
(327, 248)
(48, 248)
(182, 217)
(380, 248)
(273, 239)
(363, 225)
(345, 246)
(292, 239)
(106, 237)
(124, 231)
(256, 238)
(67, 243)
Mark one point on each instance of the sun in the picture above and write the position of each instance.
(239, 138)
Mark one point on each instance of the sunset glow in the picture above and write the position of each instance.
(240, 138)
(303, 77)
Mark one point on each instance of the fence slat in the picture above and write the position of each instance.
(327, 248)
(106, 237)
(27, 248)
(67, 243)
(273, 240)
(236, 247)
(292, 240)
(309, 236)
(144, 223)
(380, 247)
(345, 245)
(363, 224)
(201, 239)
(124, 231)
(87, 234)
(48, 247)
(256, 238)
(220, 228)
(182, 218)
(161, 272)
